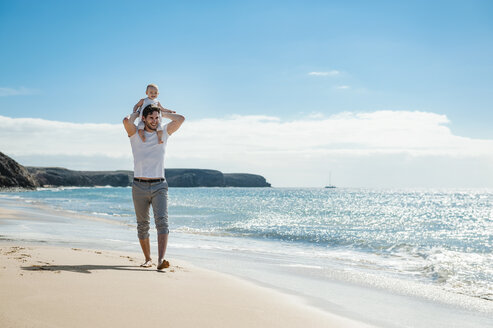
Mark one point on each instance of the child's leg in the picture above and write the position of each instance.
(140, 130)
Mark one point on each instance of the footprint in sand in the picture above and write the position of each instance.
(46, 263)
(128, 257)
(14, 249)
(22, 257)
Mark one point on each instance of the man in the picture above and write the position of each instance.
(149, 186)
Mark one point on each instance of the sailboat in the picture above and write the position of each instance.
(330, 185)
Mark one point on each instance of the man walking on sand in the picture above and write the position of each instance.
(149, 186)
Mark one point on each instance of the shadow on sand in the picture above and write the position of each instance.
(87, 268)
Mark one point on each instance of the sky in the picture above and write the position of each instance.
(373, 93)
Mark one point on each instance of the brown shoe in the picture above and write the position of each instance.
(163, 265)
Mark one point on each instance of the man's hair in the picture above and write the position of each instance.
(152, 85)
(149, 109)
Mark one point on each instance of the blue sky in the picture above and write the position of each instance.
(89, 62)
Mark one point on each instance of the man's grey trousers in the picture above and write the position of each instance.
(144, 195)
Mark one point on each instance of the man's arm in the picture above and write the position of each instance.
(128, 123)
(176, 121)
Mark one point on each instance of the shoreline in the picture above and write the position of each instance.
(63, 286)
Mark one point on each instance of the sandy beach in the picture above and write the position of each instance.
(48, 286)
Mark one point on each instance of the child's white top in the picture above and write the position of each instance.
(147, 101)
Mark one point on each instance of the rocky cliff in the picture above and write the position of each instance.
(13, 175)
(244, 180)
(194, 178)
(55, 176)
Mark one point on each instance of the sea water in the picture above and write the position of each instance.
(429, 245)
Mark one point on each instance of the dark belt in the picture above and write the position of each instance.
(148, 180)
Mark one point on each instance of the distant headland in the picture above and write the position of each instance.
(14, 175)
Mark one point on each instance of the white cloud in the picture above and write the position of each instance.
(33, 136)
(343, 87)
(413, 133)
(5, 92)
(316, 115)
(286, 152)
(329, 73)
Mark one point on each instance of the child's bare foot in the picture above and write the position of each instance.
(160, 137)
(142, 135)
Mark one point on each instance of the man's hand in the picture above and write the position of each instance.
(128, 123)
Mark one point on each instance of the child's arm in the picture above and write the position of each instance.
(139, 104)
(165, 110)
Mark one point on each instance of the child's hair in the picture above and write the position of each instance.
(149, 109)
(152, 85)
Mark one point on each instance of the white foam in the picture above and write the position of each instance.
(302, 266)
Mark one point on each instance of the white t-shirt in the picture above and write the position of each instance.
(149, 155)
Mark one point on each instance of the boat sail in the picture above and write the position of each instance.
(330, 185)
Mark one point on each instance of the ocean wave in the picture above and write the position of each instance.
(7, 196)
